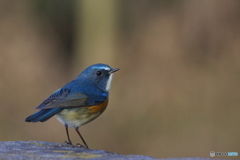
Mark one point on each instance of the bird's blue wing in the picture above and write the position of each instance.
(58, 94)
(67, 98)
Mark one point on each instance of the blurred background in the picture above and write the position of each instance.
(177, 93)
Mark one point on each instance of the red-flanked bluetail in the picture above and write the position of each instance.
(79, 101)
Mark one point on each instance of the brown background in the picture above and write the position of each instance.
(176, 95)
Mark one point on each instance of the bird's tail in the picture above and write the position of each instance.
(43, 115)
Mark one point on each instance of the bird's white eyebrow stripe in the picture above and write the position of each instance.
(105, 68)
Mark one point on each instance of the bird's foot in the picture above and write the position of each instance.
(70, 143)
(82, 146)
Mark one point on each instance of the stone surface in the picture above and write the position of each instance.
(38, 150)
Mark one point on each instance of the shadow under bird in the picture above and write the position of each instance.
(79, 101)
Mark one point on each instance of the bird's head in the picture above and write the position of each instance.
(99, 74)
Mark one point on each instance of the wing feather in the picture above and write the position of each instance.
(62, 98)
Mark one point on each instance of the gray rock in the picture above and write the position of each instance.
(38, 150)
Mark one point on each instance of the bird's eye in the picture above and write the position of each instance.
(99, 73)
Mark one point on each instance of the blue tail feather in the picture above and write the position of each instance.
(43, 115)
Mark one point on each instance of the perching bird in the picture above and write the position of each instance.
(79, 101)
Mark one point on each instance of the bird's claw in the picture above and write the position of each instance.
(82, 146)
(70, 143)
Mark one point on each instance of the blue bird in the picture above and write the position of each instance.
(79, 101)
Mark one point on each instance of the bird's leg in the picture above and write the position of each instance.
(69, 141)
(85, 144)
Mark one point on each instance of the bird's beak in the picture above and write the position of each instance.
(113, 70)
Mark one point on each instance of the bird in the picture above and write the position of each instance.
(79, 101)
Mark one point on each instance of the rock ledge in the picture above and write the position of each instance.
(38, 150)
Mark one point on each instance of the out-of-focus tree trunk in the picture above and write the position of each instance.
(96, 30)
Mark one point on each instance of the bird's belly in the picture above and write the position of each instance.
(76, 117)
